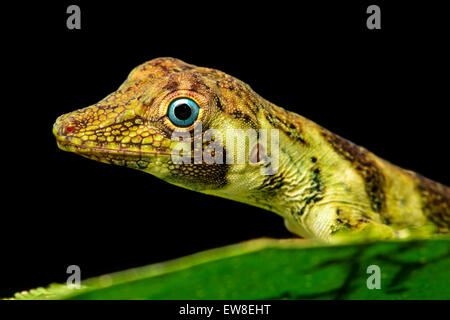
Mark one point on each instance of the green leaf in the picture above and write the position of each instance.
(279, 269)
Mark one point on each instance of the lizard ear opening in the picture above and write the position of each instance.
(257, 154)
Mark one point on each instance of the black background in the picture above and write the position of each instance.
(384, 89)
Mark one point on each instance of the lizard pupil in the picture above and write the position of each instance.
(183, 112)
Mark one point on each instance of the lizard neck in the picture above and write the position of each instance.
(325, 181)
(304, 167)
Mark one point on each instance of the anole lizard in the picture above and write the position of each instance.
(325, 188)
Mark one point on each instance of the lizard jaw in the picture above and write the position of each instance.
(137, 156)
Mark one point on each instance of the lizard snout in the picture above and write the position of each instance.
(60, 128)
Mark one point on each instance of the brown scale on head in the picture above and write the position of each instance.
(131, 127)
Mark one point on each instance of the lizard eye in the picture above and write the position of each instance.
(183, 112)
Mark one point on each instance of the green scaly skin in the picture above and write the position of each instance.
(325, 188)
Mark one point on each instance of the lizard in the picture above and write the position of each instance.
(326, 188)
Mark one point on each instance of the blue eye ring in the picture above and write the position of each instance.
(183, 112)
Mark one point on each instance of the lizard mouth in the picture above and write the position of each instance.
(130, 155)
(67, 146)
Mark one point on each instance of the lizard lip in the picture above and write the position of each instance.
(65, 144)
(108, 152)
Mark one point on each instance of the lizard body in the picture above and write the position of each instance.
(325, 188)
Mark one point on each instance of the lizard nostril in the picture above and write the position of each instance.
(69, 129)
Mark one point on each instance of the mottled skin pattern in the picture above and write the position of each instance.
(326, 187)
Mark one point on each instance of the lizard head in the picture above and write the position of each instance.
(158, 110)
